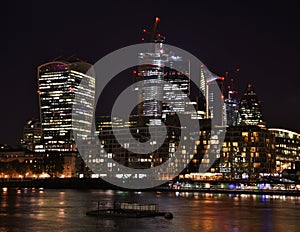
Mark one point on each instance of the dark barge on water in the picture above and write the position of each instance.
(129, 210)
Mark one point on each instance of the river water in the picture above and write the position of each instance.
(64, 210)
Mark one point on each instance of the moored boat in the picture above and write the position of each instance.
(129, 210)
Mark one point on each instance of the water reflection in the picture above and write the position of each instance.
(65, 210)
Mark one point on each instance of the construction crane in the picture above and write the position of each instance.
(154, 36)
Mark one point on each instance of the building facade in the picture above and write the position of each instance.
(287, 148)
(164, 88)
(58, 82)
(32, 134)
(247, 152)
(135, 155)
(250, 112)
(232, 108)
(28, 164)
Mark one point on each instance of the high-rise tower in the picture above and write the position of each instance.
(231, 103)
(249, 108)
(32, 134)
(164, 88)
(58, 82)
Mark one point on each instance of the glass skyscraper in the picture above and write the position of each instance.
(232, 108)
(250, 112)
(58, 82)
(162, 98)
(32, 134)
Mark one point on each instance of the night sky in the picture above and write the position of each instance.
(262, 39)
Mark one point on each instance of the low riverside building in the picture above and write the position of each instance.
(11, 155)
(16, 163)
(122, 150)
(287, 148)
(247, 152)
(69, 163)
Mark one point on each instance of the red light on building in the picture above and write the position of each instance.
(38, 91)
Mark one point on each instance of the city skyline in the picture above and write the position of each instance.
(150, 116)
(263, 44)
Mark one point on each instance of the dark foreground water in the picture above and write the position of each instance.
(64, 210)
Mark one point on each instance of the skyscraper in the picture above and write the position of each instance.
(249, 108)
(232, 107)
(231, 99)
(58, 83)
(32, 134)
(164, 88)
(166, 80)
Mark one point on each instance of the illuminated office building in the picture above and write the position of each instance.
(32, 134)
(232, 109)
(287, 148)
(211, 89)
(120, 149)
(158, 98)
(207, 152)
(106, 122)
(250, 112)
(232, 106)
(58, 82)
(215, 101)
